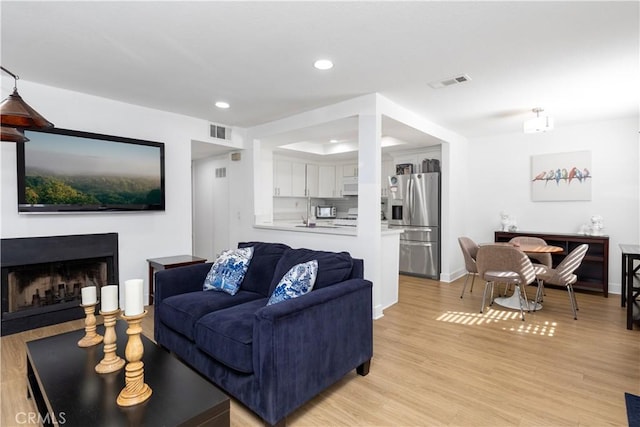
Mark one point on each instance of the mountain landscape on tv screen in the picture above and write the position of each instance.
(91, 190)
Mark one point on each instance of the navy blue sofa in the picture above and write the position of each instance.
(271, 358)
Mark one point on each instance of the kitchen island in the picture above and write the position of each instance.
(329, 237)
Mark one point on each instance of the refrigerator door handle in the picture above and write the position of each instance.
(410, 196)
(425, 229)
(410, 243)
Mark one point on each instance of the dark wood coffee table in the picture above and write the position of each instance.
(68, 392)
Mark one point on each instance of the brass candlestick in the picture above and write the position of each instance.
(111, 362)
(90, 336)
(135, 390)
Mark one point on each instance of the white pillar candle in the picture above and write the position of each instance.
(109, 298)
(133, 297)
(89, 295)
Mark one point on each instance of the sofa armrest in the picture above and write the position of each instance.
(303, 345)
(180, 280)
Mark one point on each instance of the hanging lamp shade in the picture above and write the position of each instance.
(18, 114)
(12, 135)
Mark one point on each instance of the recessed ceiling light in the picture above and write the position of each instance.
(323, 64)
(333, 141)
(222, 104)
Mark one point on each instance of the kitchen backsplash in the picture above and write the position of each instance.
(294, 208)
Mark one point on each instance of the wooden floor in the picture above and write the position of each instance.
(438, 361)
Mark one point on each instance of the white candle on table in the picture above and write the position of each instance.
(133, 297)
(109, 298)
(89, 295)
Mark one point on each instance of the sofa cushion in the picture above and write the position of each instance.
(263, 264)
(227, 335)
(181, 312)
(228, 271)
(333, 267)
(298, 281)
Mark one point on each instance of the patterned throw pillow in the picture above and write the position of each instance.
(227, 272)
(298, 281)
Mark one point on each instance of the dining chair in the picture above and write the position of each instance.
(505, 264)
(469, 251)
(542, 258)
(563, 275)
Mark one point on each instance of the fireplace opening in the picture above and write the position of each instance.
(31, 287)
(42, 277)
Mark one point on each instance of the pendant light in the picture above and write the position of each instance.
(12, 135)
(538, 124)
(18, 115)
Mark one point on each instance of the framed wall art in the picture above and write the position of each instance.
(561, 176)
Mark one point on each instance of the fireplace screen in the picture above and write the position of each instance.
(39, 285)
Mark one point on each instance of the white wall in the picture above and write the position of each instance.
(210, 207)
(499, 179)
(141, 235)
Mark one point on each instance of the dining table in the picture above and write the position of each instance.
(513, 301)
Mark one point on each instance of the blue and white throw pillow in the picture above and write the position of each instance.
(298, 281)
(227, 272)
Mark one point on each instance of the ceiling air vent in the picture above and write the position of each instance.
(220, 132)
(450, 81)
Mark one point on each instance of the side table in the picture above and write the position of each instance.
(629, 254)
(165, 263)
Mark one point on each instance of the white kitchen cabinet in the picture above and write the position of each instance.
(288, 178)
(294, 179)
(327, 181)
(350, 170)
(312, 180)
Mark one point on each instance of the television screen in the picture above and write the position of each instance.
(61, 170)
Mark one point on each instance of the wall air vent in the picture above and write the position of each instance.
(221, 172)
(450, 81)
(220, 132)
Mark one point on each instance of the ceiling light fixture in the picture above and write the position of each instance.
(323, 64)
(538, 124)
(222, 104)
(18, 115)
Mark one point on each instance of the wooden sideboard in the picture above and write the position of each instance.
(593, 273)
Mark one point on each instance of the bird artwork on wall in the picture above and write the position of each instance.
(570, 172)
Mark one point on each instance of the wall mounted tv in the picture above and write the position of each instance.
(61, 170)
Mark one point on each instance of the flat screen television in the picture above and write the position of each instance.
(61, 170)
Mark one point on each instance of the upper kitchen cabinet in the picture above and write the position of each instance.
(294, 179)
(327, 181)
(288, 178)
(311, 180)
(350, 170)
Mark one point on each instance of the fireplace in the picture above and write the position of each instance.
(42, 277)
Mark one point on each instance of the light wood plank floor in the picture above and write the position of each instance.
(438, 361)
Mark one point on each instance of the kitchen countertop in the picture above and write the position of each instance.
(321, 228)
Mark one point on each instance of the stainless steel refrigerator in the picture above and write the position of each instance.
(414, 205)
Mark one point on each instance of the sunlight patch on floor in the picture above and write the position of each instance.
(494, 316)
(545, 329)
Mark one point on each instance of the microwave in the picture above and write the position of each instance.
(325, 212)
(350, 186)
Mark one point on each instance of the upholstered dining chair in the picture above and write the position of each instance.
(505, 264)
(469, 251)
(542, 258)
(563, 275)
